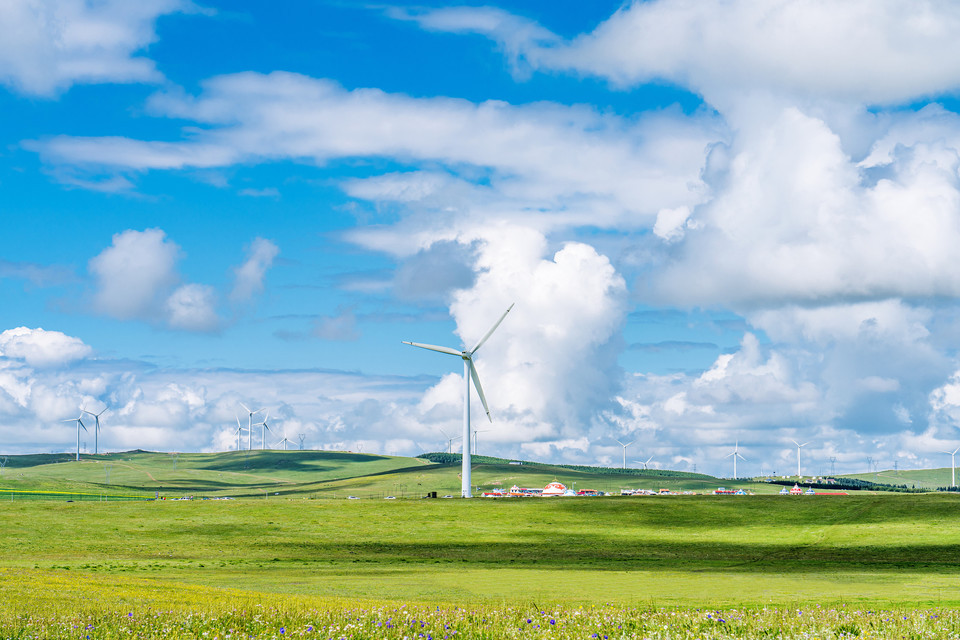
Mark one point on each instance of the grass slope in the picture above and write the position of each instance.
(317, 474)
(696, 551)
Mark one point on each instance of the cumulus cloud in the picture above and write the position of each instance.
(549, 367)
(136, 278)
(135, 274)
(793, 220)
(40, 348)
(51, 45)
(192, 307)
(248, 277)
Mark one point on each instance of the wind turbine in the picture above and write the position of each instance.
(469, 371)
(249, 424)
(798, 455)
(475, 432)
(449, 440)
(263, 430)
(239, 432)
(735, 455)
(624, 450)
(284, 441)
(953, 466)
(79, 422)
(301, 436)
(96, 429)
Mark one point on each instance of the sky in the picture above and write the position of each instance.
(722, 224)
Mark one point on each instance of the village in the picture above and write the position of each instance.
(558, 489)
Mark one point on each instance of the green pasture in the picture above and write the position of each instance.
(682, 551)
(315, 474)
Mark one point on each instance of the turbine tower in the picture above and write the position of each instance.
(953, 466)
(79, 422)
(96, 429)
(798, 456)
(624, 450)
(735, 455)
(469, 371)
(249, 424)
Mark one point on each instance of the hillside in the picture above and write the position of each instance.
(316, 474)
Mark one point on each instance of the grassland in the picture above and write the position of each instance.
(318, 474)
(290, 553)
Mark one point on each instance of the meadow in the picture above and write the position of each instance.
(307, 563)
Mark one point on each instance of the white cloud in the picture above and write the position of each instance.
(862, 51)
(550, 366)
(136, 278)
(793, 220)
(192, 307)
(40, 348)
(248, 277)
(135, 274)
(554, 165)
(50, 45)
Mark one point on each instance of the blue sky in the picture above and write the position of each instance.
(719, 222)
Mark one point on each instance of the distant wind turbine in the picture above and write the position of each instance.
(475, 432)
(953, 466)
(79, 421)
(263, 430)
(239, 432)
(799, 446)
(96, 429)
(735, 455)
(624, 450)
(644, 463)
(284, 441)
(449, 440)
(469, 372)
(249, 424)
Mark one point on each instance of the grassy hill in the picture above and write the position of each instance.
(319, 474)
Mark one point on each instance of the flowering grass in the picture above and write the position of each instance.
(137, 608)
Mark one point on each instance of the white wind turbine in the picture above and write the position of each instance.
(79, 422)
(624, 450)
(475, 432)
(953, 466)
(647, 463)
(735, 455)
(469, 372)
(239, 432)
(96, 429)
(799, 446)
(263, 430)
(449, 440)
(284, 441)
(249, 424)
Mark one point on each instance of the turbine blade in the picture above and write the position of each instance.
(741, 457)
(492, 329)
(476, 383)
(245, 408)
(433, 347)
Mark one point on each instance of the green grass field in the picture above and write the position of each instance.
(294, 553)
(316, 474)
